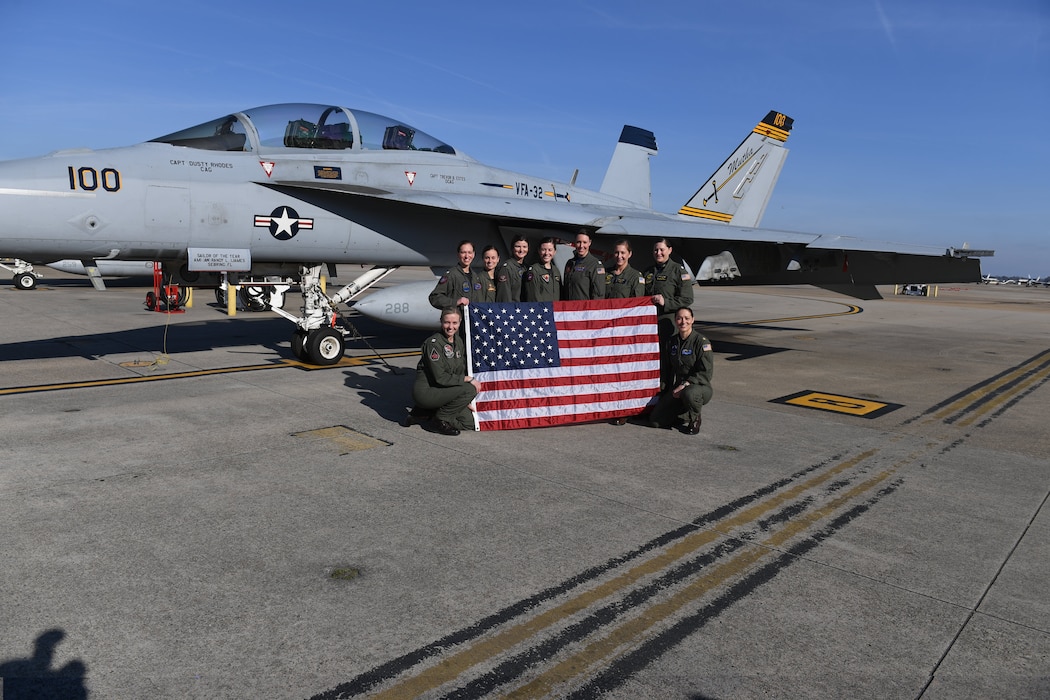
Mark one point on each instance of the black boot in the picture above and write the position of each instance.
(416, 416)
(445, 428)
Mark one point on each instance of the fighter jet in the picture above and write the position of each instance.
(290, 188)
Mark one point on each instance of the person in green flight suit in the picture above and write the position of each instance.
(542, 281)
(511, 274)
(443, 386)
(685, 383)
(489, 263)
(460, 285)
(621, 280)
(584, 276)
(669, 285)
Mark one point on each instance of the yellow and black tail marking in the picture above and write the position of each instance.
(724, 217)
(775, 125)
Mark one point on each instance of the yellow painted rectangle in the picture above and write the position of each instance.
(837, 403)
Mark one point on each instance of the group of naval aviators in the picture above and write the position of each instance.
(444, 388)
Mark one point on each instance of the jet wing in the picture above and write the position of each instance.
(607, 221)
(716, 252)
(687, 229)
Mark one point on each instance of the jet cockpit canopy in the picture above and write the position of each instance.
(309, 126)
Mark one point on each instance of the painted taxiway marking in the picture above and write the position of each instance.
(592, 632)
(838, 404)
(994, 395)
(851, 309)
(278, 364)
(622, 623)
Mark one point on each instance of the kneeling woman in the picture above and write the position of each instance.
(442, 383)
(686, 382)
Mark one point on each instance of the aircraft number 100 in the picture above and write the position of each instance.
(89, 179)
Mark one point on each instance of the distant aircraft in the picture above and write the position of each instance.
(989, 279)
(290, 188)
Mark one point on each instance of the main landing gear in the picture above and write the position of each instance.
(318, 339)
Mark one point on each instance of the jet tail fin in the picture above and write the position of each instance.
(628, 174)
(739, 190)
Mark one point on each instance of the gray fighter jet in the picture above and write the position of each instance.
(288, 189)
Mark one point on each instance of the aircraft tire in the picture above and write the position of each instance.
(255, 297)
(25, 281)
(220, 296)
(324, 346)
(299, 345)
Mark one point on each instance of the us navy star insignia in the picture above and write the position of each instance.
(283, 222)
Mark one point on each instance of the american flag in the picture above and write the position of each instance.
(550, 363)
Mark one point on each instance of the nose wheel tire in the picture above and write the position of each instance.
(324, 346)
(25, 281)
(299, 345)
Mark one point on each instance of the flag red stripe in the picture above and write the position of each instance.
(595, 342)
(531, 383)
(601, 304)
(551, 421)
(603, 397)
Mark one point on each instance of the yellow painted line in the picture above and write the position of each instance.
(983, 391)
(629, 632)
(279, 364)
(450, 668)
(1000, 400)
(851, 309)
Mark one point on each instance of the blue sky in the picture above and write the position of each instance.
(921, 121)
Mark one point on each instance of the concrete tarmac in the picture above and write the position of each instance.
(187, 512)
